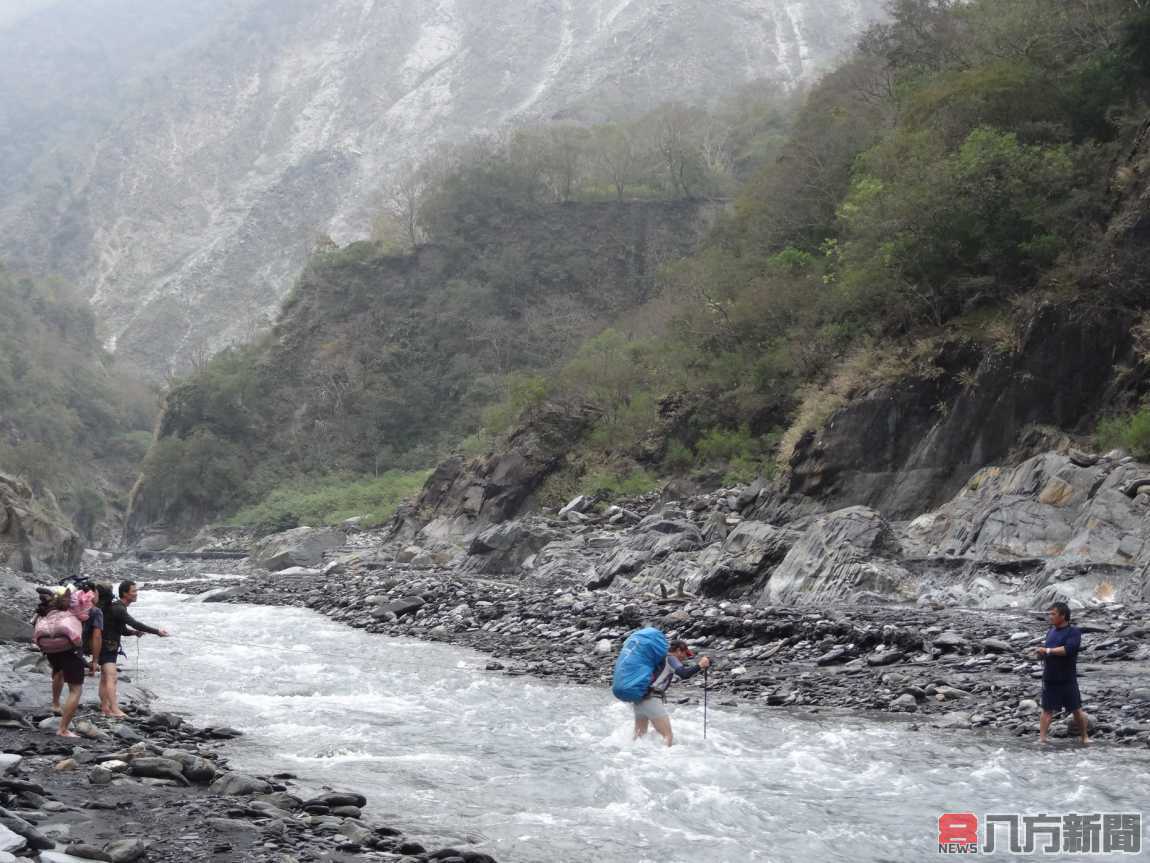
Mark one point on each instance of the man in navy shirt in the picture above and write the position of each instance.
(1060, 672)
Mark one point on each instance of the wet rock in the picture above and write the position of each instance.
(87, 852)
(196, 769)
(904, 703)
(333, 799)
(10, 841)
(281, 800)
(1072, 725)
(26, 831)
(239, 785)
(126, 850)
(220, 594)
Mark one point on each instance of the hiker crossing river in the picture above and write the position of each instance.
(535, 771)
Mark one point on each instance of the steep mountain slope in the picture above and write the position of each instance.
(380, 361)
(182, 157)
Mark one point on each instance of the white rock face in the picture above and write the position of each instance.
(178, 158)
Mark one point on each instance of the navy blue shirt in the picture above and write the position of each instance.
(1062, 669)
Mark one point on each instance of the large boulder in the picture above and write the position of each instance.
(1080, 521)
(505, 547)
(35, 536)
(748, 554)
(846, 552)
(651, 541)
(463, 496)
(301, 546)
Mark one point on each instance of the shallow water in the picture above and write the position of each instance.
(535, 771)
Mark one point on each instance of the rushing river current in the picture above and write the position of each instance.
(534, 771)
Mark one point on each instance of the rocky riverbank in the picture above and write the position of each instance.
(932, 621)
(949, 667)
(153, 788)
(936, 618)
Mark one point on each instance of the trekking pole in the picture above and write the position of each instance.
(705, 703)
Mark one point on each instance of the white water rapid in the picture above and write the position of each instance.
(535, 771)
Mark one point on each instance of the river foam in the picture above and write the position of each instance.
(536, 771)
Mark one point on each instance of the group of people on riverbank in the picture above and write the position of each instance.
(1060, 692)
(80, 629)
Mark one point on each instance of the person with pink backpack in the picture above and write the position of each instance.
(59, 635)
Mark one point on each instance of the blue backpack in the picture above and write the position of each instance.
(642, 654)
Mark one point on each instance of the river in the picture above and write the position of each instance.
(537, 771)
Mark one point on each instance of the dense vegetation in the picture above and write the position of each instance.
(960, 164)
(69, 421)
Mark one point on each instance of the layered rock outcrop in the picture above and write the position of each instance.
(35, 536)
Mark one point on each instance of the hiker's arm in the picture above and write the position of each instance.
(140, 627)
(97, 646)
(684, 672)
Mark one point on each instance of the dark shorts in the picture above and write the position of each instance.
(1061, 696)
(69, 663)
(109, 655)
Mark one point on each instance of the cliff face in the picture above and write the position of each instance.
(34, 534)
(906, 447)
(377, 358)
(177, 159)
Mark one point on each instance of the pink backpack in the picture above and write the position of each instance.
(81, 603)
(57, 632)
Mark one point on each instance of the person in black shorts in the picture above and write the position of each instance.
(67, 665)
(118, 623)
(1060, 672)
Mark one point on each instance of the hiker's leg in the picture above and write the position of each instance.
(1083, 725)
(57, 688)
(641, 726)
(663, 726)
(111, 706)
(75, 690)
(1044, 725)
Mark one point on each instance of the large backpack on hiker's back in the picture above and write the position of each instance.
(642, 654)
(57, 632)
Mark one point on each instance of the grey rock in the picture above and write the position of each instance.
(239, 784)
(220, 594)
(10, 841)
(231, 825)
(281, 800)
(841, 553)
(301, 546)
(505, 547)
(87, 852)
(950, 641)
(126, 850)
(748, 553)
(100, 776)
(35, 537)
